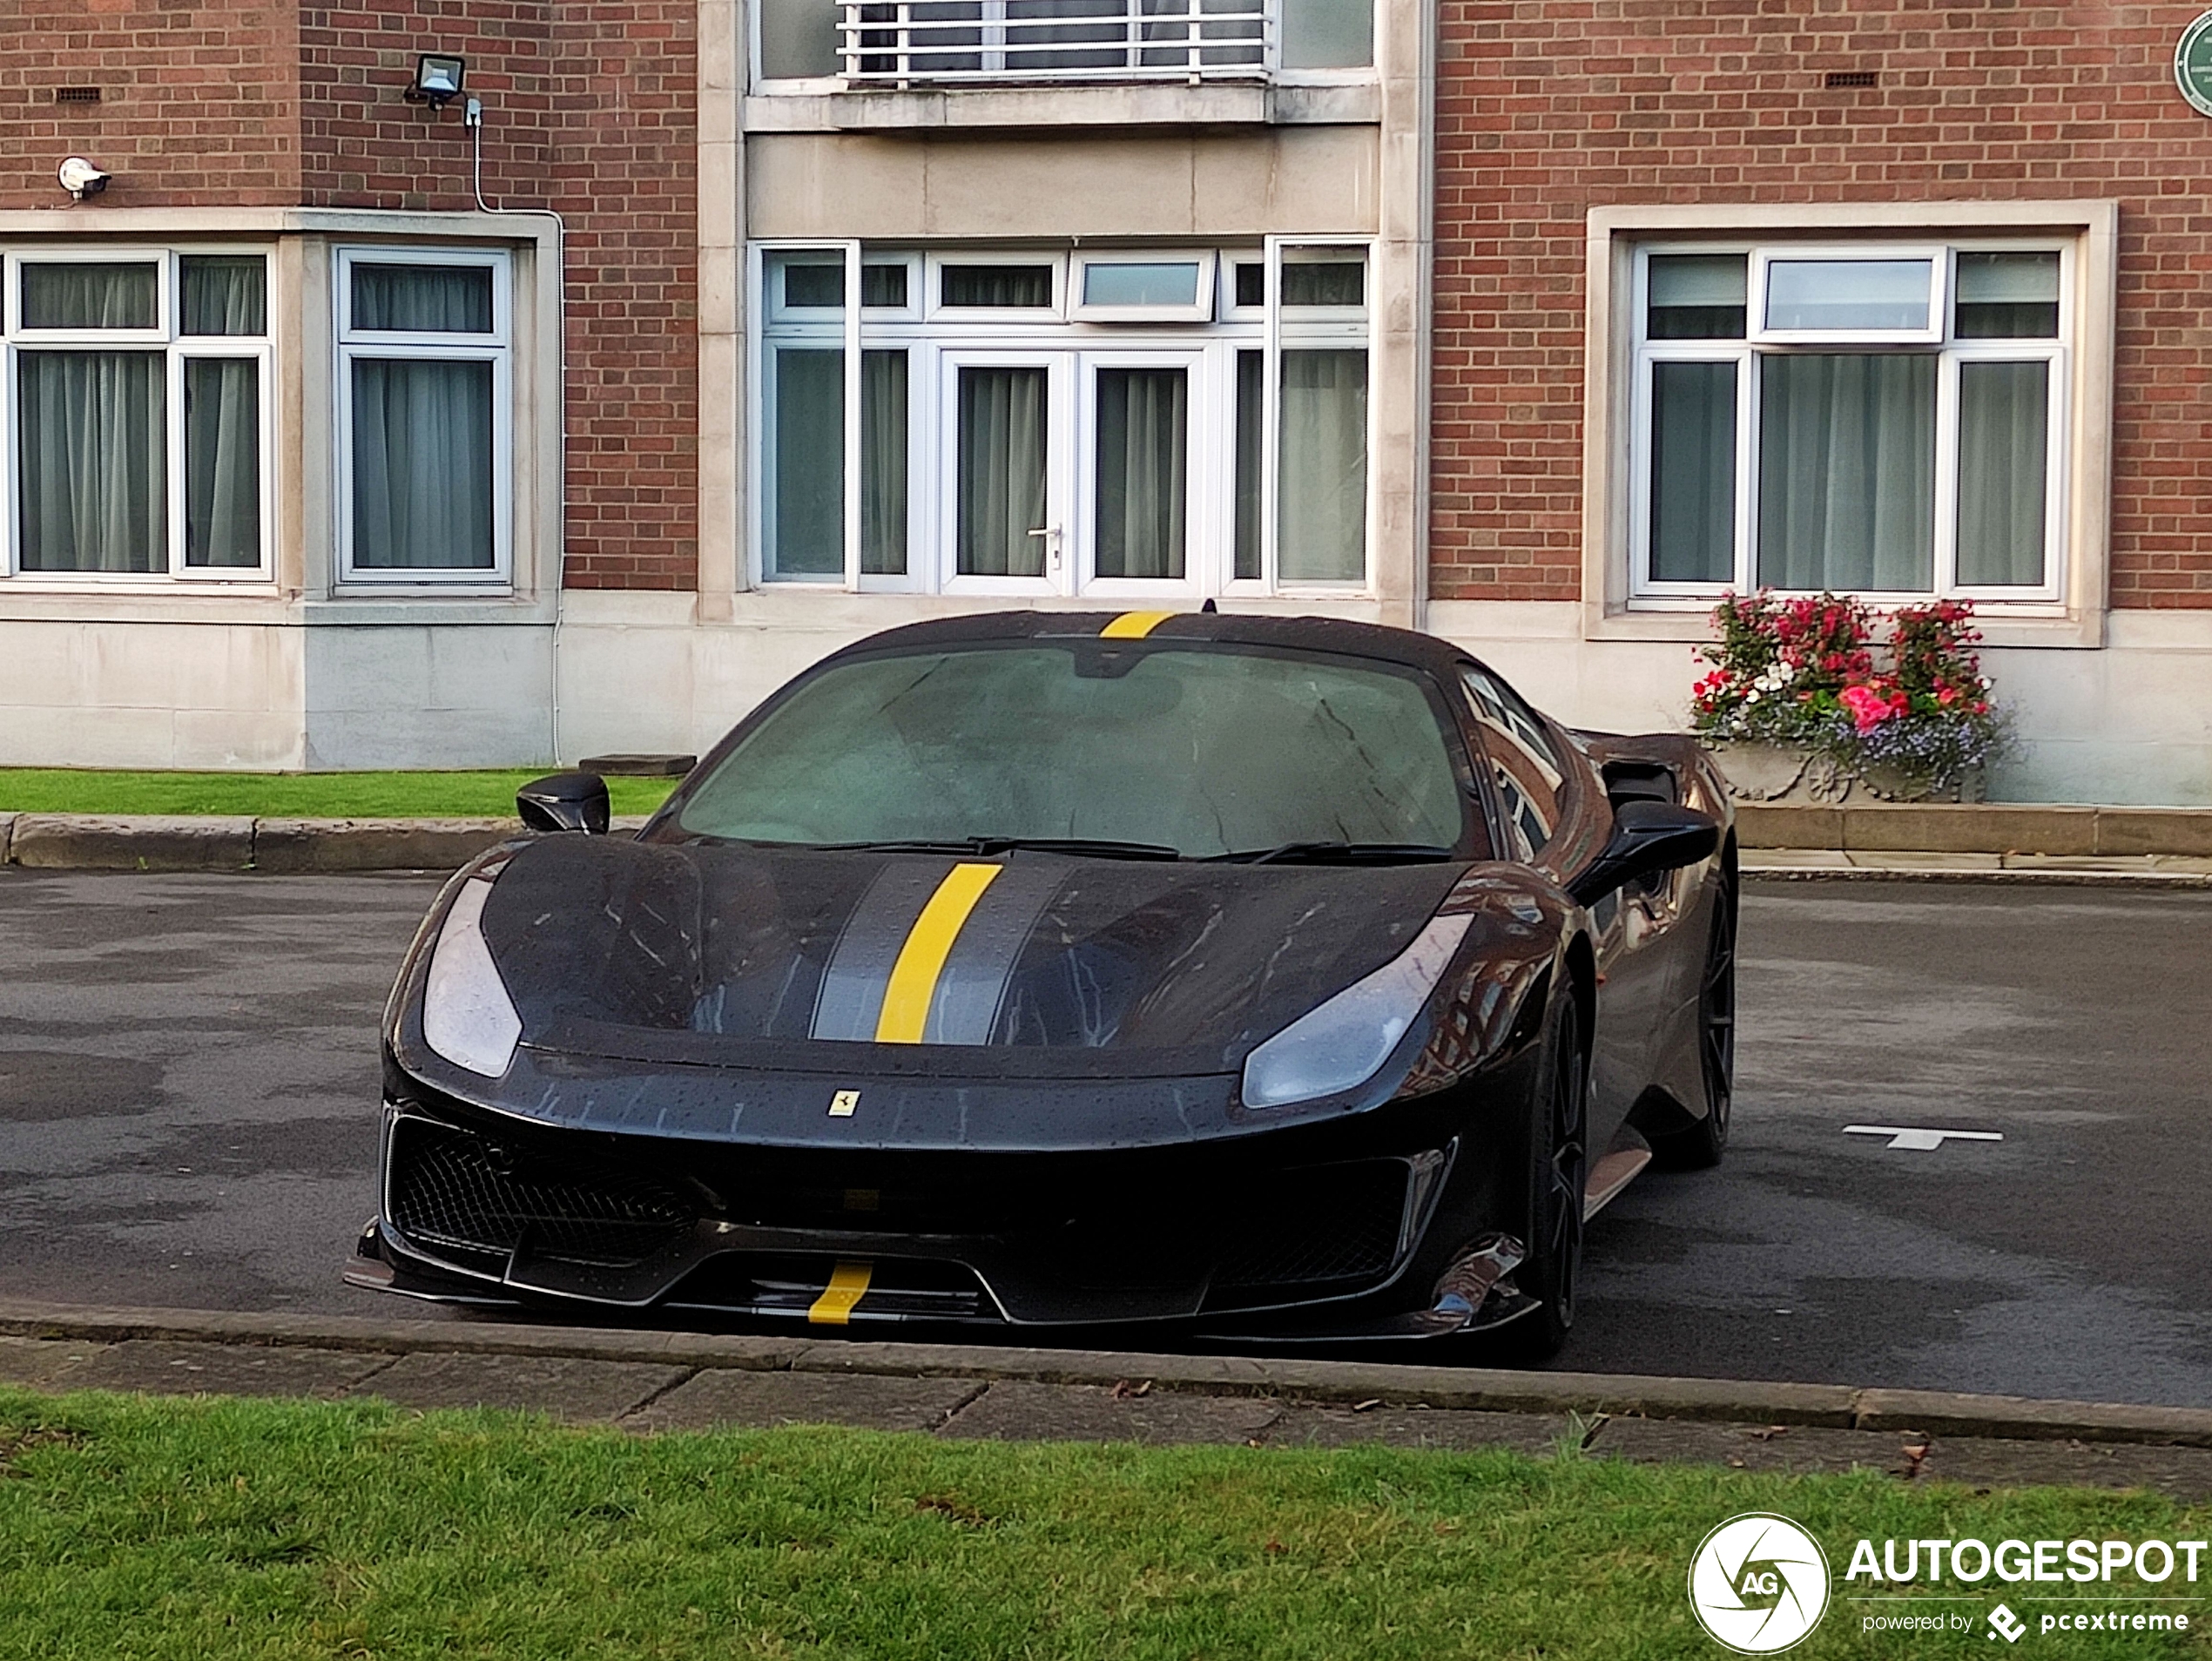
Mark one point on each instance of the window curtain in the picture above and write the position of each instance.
(423, 300)
(222, 462)
(1000, 487)
(809, 464)
(883, 463)
(2004, 448)
(79, 295)
(1251, 421)
(224, 294)
(1143, 455)
(1693, 472)
(422, 464)
(1847, 470)
(1321, 517)
(94, 486)
(1019, 287)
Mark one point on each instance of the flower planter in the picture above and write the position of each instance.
(1759, 772)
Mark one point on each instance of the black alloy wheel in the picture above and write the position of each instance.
(1559, 1173)
(1700, 1145)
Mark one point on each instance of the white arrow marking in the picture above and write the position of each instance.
(1920, 1141)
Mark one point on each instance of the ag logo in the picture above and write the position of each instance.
(1758, 1584)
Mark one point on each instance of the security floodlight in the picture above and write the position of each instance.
(437, 79)
(80, 178)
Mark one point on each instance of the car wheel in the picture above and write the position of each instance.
(1700, 1145)
(1558, 1173)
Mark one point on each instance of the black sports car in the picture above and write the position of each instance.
(1260, 977)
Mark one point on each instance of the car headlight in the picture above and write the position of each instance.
(467, 1016)
(1343, 1043)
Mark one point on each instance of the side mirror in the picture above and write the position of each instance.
(1648, 836)
(565, 801)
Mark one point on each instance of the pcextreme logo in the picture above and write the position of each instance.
(1758, 1584)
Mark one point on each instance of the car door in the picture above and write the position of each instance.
(1530, 765)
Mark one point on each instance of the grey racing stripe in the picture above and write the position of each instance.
(860, 966)
(975, 977)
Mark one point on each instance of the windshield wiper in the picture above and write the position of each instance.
(1338, 853)
(984, 846)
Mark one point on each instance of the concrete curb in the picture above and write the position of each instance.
(150, 843)
(1833, 1406)
(2000, 844)
(1824, 864)
(1976, 827)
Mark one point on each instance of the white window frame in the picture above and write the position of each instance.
(167, 338)
(495, 348)
(939, 341)
(1200, 310)
(1950, 352)
(1062, 463)
(1938, 256)
(1202, 549)
(935, 311)
(1322, 328)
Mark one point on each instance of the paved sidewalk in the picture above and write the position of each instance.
(650, 1382)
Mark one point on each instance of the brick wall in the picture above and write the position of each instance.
(1550, 107)
(589, 110)
(197, 103)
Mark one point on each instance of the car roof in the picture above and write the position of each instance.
(1406, 646)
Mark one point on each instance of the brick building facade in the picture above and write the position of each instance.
(1418, 374)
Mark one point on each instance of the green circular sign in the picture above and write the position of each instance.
(2192, 64)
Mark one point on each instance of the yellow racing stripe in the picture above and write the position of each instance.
(848, 1285)
(914, 978)
(1134, 625)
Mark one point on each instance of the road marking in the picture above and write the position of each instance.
(1921, 1141)
(847, 1287)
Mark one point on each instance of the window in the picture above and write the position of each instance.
(137, 414)
(424, 421)
(1121, 423)
(1525, 770)
(1883, 419)
(1048, 40)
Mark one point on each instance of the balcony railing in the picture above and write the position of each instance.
(927, 43)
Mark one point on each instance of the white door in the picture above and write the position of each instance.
(1141, 418)
(1006, 427)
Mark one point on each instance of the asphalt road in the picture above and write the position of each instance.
(188, 1088)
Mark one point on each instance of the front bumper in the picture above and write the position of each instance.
(1382, 1227)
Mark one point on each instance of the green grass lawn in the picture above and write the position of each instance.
(202, 1529)
(293, 795)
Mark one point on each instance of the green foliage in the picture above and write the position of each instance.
(1807, 673)
(295, 795)
(212, 1530)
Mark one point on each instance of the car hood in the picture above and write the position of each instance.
(786, 958)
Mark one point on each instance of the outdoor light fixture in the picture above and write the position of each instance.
(437, 79)
(80, 178)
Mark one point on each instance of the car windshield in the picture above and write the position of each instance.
(1203, 751)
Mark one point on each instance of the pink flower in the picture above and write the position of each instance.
(1868, 707)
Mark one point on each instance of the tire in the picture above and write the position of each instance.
(1557, 1172)
(1699, 1145)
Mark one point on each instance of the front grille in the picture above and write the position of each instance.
(452, 1190)
(782, 1284)
(1304, 1228)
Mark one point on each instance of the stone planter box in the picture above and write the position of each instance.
(1776, 773)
